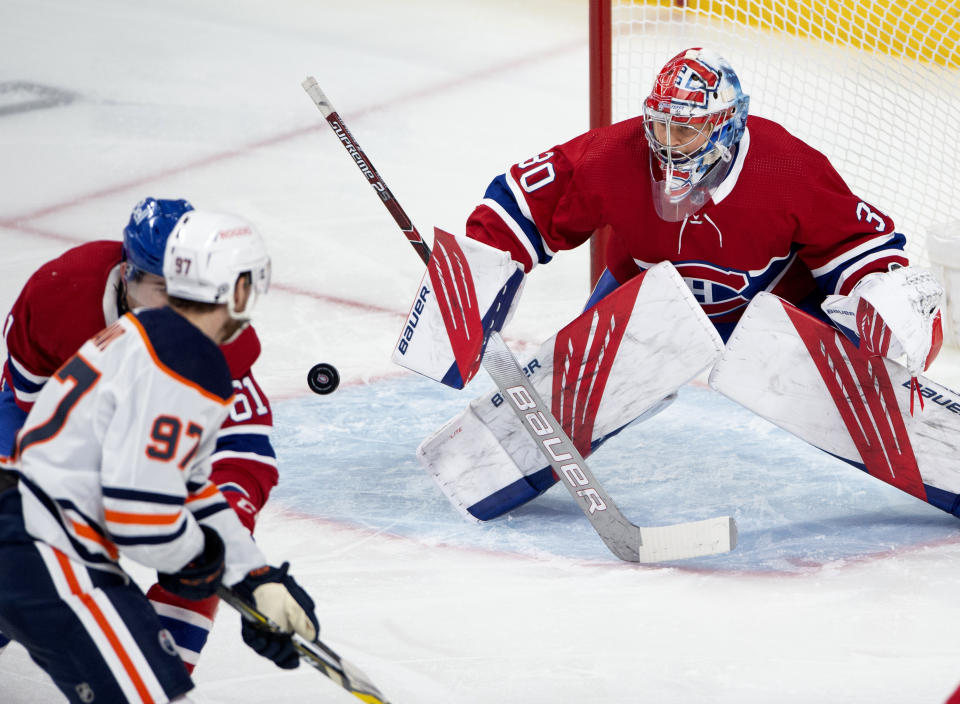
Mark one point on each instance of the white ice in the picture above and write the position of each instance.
(842, 589)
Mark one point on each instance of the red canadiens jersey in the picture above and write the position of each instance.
(782, 220)
(70, 299)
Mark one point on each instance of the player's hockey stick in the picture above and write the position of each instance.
(626, 540)
(315, 652)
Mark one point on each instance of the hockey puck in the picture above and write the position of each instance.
(323, 378)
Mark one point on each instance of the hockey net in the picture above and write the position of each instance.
(874, 85)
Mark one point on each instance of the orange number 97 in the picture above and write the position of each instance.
(165, 438)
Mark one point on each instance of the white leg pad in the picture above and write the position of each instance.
(618, 362)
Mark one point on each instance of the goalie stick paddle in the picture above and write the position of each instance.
(627, 541)
(314, 652)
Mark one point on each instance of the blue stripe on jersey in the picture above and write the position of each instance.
(234, 487)
(246, 442)
(22, 383)
(208, 511)
(182, 347)
(187, 636)
(828, 282)
(135, 495)
(499, 191)
(12, 418)
(194, 487)
(150, 539)
(54, 511)
(91, 523)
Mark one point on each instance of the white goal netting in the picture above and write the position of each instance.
(873, 85)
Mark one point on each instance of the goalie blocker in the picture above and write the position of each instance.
(468, 290)
(620, 361)
(807, 378)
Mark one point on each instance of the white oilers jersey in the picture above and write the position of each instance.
(115, 454)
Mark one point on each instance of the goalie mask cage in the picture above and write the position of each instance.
(875, 86)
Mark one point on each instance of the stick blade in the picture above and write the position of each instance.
(712, 536)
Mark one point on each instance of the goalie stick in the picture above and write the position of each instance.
(314, 652)
(627, 541)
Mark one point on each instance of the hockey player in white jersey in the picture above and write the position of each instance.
(114, 459)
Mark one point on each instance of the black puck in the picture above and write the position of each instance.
(323, 378)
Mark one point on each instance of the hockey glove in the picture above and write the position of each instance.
(278, 597)
(199, 579)
(893, 313)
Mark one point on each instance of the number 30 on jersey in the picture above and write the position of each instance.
(537, 172)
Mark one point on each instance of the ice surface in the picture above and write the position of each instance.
(841, 589)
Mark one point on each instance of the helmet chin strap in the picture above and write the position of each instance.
(242, 317)
(236, 333)
(247, 313)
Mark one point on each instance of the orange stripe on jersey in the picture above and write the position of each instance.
(168, 371)
(208, 491)
(105, 627)
(88, 533)
(143, 519)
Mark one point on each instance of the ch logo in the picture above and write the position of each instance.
(692, 82)
(167, 642)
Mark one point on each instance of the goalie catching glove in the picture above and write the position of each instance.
(278, 597)
(893, 314)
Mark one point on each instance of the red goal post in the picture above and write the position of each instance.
(873, 85)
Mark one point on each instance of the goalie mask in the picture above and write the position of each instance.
(693, 120)
(206, 253)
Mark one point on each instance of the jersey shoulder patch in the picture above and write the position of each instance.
(183, 349)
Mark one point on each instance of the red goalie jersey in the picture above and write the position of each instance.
(782, 220)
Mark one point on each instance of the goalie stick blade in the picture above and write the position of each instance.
(315, 653)
(681, 541)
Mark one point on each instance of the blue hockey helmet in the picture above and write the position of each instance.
(145, 236)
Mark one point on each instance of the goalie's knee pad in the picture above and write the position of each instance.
(618, 363)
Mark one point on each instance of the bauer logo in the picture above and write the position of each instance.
(940, 399)
(562, 460)
(411, 327)
(529, 370)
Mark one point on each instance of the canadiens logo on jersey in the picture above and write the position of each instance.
(717, 290)
(721, 290)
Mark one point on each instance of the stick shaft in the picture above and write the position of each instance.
(367, 168)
